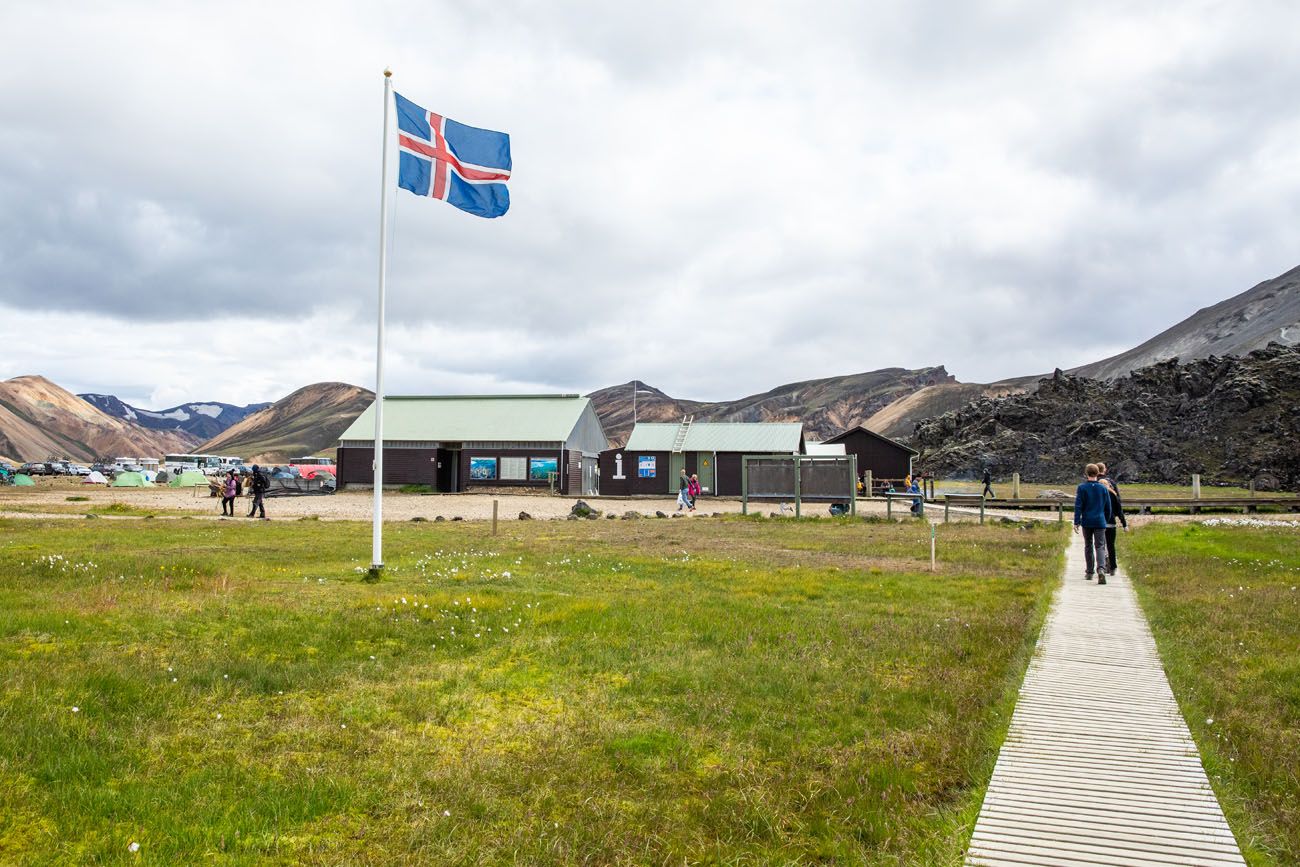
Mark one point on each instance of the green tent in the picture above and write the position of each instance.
(131, 480)
(23, 481)
(189, 479)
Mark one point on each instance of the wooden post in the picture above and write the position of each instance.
(1015, 486)
(1252, 488)
(869, 481)
(889, 506)
(494, 517)
(1196, 486)
(798, 487)
(981, 510)
(1060, 512)
(945, 509)
(932, 566)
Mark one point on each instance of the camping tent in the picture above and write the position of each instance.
(131, 480)
(24, 481)
(189, 479)
(148, 475)
(95, 478)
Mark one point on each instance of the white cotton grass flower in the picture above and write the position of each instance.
(218, 716)
(76, 709)
(446, 812)
(1209, 720)
(134, 847)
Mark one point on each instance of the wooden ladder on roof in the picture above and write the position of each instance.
(682, 430)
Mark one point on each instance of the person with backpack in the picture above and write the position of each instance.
(1092, 513)
(259, 484)
(693, 490)
(1117, 514)
(229, 488)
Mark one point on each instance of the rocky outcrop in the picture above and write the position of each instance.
(1229, 419)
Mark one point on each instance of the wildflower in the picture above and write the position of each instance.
(1209, 720)
(446, 812)
(134, 847)
(76, 709)
(218, 716)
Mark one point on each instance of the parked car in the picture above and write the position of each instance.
(78, 470)
(34, 468)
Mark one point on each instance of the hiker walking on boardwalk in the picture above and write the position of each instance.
(1092, 512)
(988, 485)
(258, 483)
(683, 491)
(1117, 514)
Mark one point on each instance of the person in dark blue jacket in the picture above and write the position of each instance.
(1092, 512)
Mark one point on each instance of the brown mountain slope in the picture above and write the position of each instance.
(825, 406)
(307, 422)
(38, 420)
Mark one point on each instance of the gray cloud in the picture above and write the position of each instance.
(712, 199)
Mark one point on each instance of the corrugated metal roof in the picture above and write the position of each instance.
(535, 418)
(746, 437)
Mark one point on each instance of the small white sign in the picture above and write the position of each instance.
(618, 466)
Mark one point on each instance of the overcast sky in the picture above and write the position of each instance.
(716, 198)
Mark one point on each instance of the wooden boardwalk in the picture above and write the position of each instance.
(1098, 766)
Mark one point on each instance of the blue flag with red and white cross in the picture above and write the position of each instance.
(462, 165)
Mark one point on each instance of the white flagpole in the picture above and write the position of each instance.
(377, 555)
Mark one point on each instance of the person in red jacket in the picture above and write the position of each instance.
(693, 490)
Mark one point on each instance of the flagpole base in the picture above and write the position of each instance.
(374, 573)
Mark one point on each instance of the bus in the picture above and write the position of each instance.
(310, 466)
(206, 464)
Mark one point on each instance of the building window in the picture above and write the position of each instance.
(514, 469)
(540, 469)
(482, 469)
(645, 466)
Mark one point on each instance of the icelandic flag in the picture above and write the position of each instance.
(462, 165)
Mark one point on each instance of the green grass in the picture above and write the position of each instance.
(1224, 605)
(724, 691)
(1002, 487)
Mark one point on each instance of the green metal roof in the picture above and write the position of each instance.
(507, 417)
(746, 437)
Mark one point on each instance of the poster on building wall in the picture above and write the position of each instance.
(645, 466)
(539, 469)
(482, 469)
(514, 469)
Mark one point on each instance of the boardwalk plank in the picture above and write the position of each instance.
(1099, 767)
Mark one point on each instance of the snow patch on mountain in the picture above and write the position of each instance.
(208, 409)
(178, 414)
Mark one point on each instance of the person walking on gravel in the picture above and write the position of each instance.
(1092, 513)
(228, 489)
(693, 490)
(259, 484)
(988, 485)
(1117, 514)
(683, 491)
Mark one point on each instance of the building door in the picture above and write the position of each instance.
(704, 463)
(590, 477)
(676, 463)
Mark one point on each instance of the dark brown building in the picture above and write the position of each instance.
(885, 458)
(656, 454)
(461, 443)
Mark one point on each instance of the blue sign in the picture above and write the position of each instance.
(645, 466)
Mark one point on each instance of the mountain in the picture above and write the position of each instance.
(1269, 312)
(1230, 419)
(825, 406)
(38, 420)
(203, 420)
(307, 422)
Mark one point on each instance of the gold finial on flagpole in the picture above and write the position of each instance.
(388, 73)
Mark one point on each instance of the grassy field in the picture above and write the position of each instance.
(732, 691)
(1224, 605)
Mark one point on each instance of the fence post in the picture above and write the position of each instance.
(1196, 492)
(1015, 486)
(1252, 488)
(798, 487)
(981, 510)
(932, 566)
(744, 485)
(1060, 514)
(945, 509)
(853, 486)
(889, 507)
(494, 517)
(869, 482)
